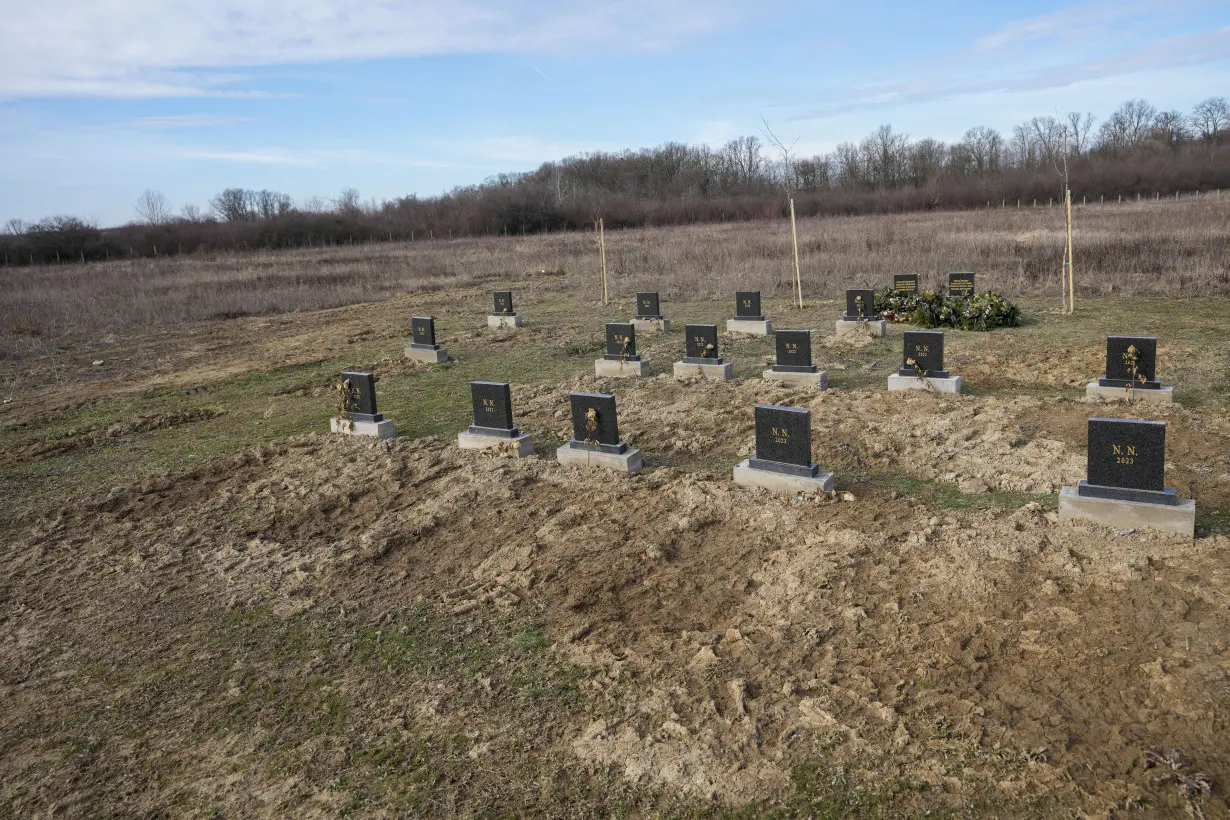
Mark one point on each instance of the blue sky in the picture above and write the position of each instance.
(101, 99)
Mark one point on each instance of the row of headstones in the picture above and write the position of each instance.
(1124, 487)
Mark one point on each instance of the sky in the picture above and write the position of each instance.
(102, 99)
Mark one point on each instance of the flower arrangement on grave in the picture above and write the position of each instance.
(919, 373)
(624, 341)
(979, 311)
(707, 352)
(1131, 359)
(347, 395)
(591, 425)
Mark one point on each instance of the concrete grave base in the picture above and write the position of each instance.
(494, 320)
(1097, 393)
(818, 380)
(871, 327)
(952, 384)
(746, 476)
(651, 325)
(349, 427)
(1125, 515)
(608, 367)
(714, 372)
(629, 461)
(418, 354)
(518, 447)
(749, 326)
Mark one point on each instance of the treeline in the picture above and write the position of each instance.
(1137, 150)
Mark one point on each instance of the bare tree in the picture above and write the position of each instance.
(348, 202)
(1080, 127)
(191, 213)
(268, 204)
(15, 227)
(1211, 118)
(1170, 129)
(315, 205)
(790, 176)
(1128, 126)
(232, 205)
(983, 148)
(885, 154)
(153, 208)
(1050, 138)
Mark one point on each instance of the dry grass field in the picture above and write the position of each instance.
(209, 607)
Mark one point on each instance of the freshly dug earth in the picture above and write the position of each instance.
(727, 637)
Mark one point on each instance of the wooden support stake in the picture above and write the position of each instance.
(602, 251)
(794, 232)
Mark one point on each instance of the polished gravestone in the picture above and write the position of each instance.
(905, 282)
(357, 414)
(794, 364)
(922, 364)
(423, 347)
(1125, 484)
(503, 314)
(595, 436)
(961, 283)
(493, 422)
(621, 358)
(1131, 372)
(649, 314)
(701, 359)
(748, 317)
(860, 316)
(782, 461)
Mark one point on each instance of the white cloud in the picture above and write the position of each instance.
(1078, 22)
(314, 158)
(168, 48)
(174, 121)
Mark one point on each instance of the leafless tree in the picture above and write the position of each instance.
(849, 166)
(926, 161)
(348, 202)
(269, 204)
(1211, 118)
(1170, 129)
(790, 176)
(153, 208)
(15, 227)
(1080, 128)
(982, 148)
(232, 205)
(1050, 138)
(191, 213)
(885, 157)
(1128, 126)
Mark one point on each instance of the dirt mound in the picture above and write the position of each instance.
(731, 635)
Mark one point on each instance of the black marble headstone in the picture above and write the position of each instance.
(905, 282)
(423, 333)
(747, 305)
(594, 425)
(1127, 461)
(503, 303)
(783, 440)
(860, 305)
(493, 414)
(926, 349)
(1131, 360)
(647, 306)
(702, 344)
(794, 352)
(621, 342)
(360, 401)
(961, 283)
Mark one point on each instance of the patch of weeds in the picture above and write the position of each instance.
(943, 494)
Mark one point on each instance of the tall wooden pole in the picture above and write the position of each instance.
(1071, 271)
(794, 231)
(602, 249)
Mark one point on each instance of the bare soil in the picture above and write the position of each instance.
(293, 623)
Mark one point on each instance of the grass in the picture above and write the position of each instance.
(1150, 248)
(942, 495)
